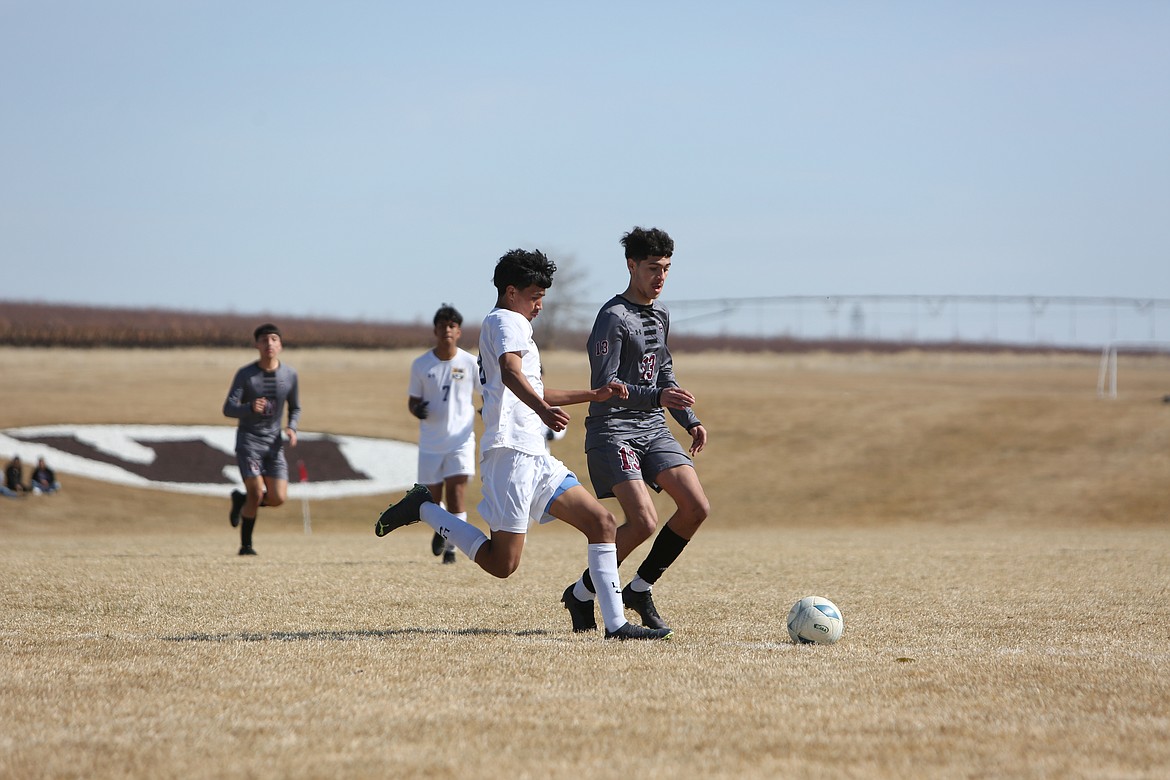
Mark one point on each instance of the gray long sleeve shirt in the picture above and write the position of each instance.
(279, 387)
(628, 344)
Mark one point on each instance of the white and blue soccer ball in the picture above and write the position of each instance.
(815, 620)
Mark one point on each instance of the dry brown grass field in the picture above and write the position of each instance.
(995, 535)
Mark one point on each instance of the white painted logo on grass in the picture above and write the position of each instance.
(202, 458)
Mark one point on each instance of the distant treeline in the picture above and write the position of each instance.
(52, 325)
(60, 325)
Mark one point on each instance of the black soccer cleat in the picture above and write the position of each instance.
(643, 604)
(247, 550)
(630, 631)
(438, 544)
(405, 512)
(448, 556)
(238, 500)
(580, 611)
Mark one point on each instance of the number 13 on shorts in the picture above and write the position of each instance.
(629, 459)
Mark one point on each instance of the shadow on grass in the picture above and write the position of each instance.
(350, 636)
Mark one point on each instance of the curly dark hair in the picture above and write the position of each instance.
(641, 243)
(522, 268)
(448, 313)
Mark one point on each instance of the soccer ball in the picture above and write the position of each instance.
(815, 620)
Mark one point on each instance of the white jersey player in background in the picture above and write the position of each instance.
(443, 382)
(522, 482)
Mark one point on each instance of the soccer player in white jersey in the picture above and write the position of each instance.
(522, 481)
(443, 381)
(257, 399)
(629, 447)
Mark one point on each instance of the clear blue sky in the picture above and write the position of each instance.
(372, 159)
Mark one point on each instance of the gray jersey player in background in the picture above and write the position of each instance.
(627, 442)
(257, 399)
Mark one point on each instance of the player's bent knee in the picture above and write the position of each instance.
(602, 526)
(695, 505)
(701, 510)
(642, 525)
(500, 569)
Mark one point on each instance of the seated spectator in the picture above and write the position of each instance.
(13, 475)
(43, 479)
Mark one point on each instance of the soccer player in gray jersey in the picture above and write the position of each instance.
(257, 399)
(627, 442)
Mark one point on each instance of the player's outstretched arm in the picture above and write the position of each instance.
(613, 389)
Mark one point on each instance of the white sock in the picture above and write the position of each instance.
(603, 569)
(581, 593)
(456, 531)
(451, 547)
(639, 585)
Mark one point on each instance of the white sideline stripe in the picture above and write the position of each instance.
(392, 465)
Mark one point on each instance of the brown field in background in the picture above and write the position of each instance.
(995, 535)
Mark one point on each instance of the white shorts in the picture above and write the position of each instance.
(434, 467)
(517, 488)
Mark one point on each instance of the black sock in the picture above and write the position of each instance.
(246, 526)
(667, 547)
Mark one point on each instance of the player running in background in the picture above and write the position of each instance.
(257, 399)
(522, 482)
(627, 442)
(442, 382)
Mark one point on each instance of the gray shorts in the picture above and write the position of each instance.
(262, 461)
(635, 456)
